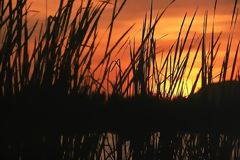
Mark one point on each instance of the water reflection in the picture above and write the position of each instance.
(112, 146)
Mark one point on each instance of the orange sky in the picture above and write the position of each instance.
(135, 10)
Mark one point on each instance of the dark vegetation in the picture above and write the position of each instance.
(57, 105)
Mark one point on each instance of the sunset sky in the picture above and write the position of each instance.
(135, 10)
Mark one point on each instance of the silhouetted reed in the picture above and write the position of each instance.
(60, 66)
(62, 56)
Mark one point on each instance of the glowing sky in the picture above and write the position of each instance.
(135, 10)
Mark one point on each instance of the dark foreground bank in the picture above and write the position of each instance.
(137, 128)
